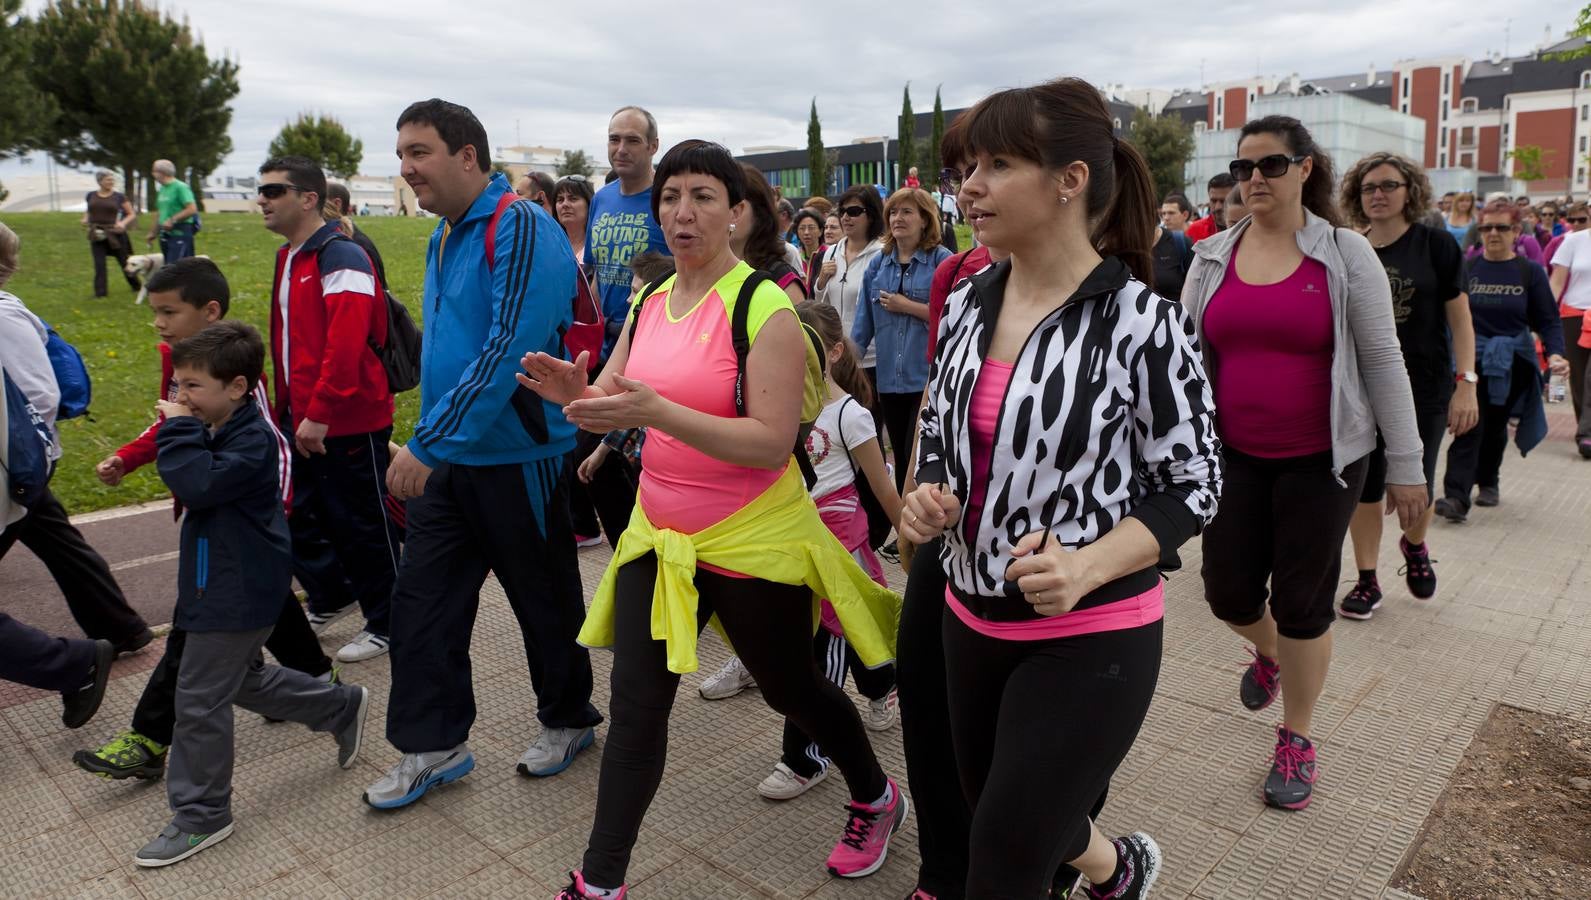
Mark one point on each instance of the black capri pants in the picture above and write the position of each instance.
(1281, 521)
(1432, 425)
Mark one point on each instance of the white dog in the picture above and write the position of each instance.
(144, 265)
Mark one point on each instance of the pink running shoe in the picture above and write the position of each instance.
(577, 890)
(868, 829)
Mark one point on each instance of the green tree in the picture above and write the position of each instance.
(935, 159)
(1530, 162)
(133, 85)
(1166, 143)
(906, 155)
(25, 111)
(1582, 28)
(818, 165)
(322, 139)
(574, 162)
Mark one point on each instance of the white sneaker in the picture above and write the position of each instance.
(364, 646)
(584, 543)
(319, 622)
(554, 751)
(883, 714)
(728, 681)
(784, 784)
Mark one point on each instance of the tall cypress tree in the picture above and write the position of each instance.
(935, 159)
(818, 166)
(907, 140)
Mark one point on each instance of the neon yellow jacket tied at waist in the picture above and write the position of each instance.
(779, 537)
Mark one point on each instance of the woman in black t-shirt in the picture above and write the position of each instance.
(107, 215)
(1385, 196)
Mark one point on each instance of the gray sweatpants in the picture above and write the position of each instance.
(219, 669)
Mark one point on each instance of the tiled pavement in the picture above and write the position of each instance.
(1407, 690)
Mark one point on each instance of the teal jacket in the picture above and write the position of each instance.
(480, 320)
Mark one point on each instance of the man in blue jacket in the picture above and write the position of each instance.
(482, 470)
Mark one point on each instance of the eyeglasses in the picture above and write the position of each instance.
(1577, 220)
(1273, 166)
(1494, 228)
(1386, 187)
(276, 190)
(854, 212)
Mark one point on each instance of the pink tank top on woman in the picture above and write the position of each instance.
(1268, 348)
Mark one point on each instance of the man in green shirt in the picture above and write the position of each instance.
(175, 213)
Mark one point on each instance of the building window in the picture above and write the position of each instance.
(1466, 136)
(1444, 112)
(1220, 104)
(1470, 104)
(1585, 79)
(1405, 87)
(1447, 83)
(1467, 161)
(1582, 143)
(1200, 126)
(1443, 141)
(1441, 161)
(1116, 124)
(1584, 111)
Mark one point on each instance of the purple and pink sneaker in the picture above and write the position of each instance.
(861, 851)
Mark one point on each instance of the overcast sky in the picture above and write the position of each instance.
(744, 73)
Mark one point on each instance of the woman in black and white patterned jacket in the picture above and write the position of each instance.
(1067, 450)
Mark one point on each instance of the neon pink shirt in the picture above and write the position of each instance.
(984, 413)
(1268, 348)
(691, 361)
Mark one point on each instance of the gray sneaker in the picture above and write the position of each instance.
(173, 845)
(728, 681)
(417, 773)
(352, 735)
(555, 750)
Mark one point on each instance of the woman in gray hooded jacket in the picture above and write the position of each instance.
(1294, 315)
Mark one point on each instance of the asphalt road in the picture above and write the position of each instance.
(139, 543)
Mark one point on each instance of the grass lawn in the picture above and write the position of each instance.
(118, 342)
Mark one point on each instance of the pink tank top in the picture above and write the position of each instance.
(993, 380)
(1268, 348)
(691, 361)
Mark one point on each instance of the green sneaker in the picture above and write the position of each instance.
(173, 845)
(128, 755)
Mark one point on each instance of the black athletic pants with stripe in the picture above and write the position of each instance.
(835, 656)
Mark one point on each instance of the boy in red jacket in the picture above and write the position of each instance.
(185, 297)
(333, 402)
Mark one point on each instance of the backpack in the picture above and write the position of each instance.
(588, 329)
(814, 390)
(878, 524)
(29, 446)
(71, 374)
(399, 354)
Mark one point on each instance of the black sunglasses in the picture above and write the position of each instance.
(1493, 227)
(276, 190)
(854, 212)
(1577, 220)
(1386, 187)
(1273, 166)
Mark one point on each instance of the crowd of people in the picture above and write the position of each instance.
(745, 399)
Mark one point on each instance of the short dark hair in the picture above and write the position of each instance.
(575, 187)
(699, 157)
(1181, 200)
(650, 266)
(338, 191)
(302, 173)
(866, 195)
(543, 183)
(1221, 180)
(456, 125)
(195, 279)
(651, 120)
(224, 351)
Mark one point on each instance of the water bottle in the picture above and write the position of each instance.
(1557, 389)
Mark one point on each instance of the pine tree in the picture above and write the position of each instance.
(574, 162)
(935, 154)
(906, 156)
(1166, 143)
(819, 166)
(25, 111)
(322, 139)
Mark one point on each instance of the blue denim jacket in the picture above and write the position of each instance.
(902, 339)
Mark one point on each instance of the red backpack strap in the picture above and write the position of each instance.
(503, 203)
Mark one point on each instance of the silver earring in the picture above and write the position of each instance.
(1063, 198)
(731, 227)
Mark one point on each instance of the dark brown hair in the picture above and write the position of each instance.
(764, 246)
(651, 266)
(847, 370)
(866, 195)
(1317, 195)
(1062, 122)
(225, 350)
(698, 157)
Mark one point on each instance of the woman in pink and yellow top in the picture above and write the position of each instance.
(718, 500)
(1067, 450)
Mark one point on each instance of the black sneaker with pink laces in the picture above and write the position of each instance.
(1262, 681)
(1137, 867)
(1417, 570)
(1361, 601)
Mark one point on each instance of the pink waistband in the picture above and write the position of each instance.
(1118, 615)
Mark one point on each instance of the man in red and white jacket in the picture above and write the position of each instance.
(332, 398)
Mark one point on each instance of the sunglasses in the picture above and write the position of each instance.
(276, 191)
(854, 212)
(1273, 166)
(1386, 187)
(1577, 220)
(578, 179)
(1493, 228)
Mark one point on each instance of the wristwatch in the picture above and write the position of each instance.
(1468, 377)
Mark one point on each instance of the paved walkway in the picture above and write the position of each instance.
(1511, 624)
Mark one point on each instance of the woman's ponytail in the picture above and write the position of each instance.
(1127, 230)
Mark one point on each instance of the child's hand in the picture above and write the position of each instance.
(172, 409)
(590, 465)
(111, 470)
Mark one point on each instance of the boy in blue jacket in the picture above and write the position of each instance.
(217, 454)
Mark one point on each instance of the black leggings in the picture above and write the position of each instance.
(835, 656)
(1476, 456)
(1039, 729)
(769, 625)
(899, 413)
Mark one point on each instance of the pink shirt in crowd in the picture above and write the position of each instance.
(1268, 348)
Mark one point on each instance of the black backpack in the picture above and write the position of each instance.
(400, 353)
